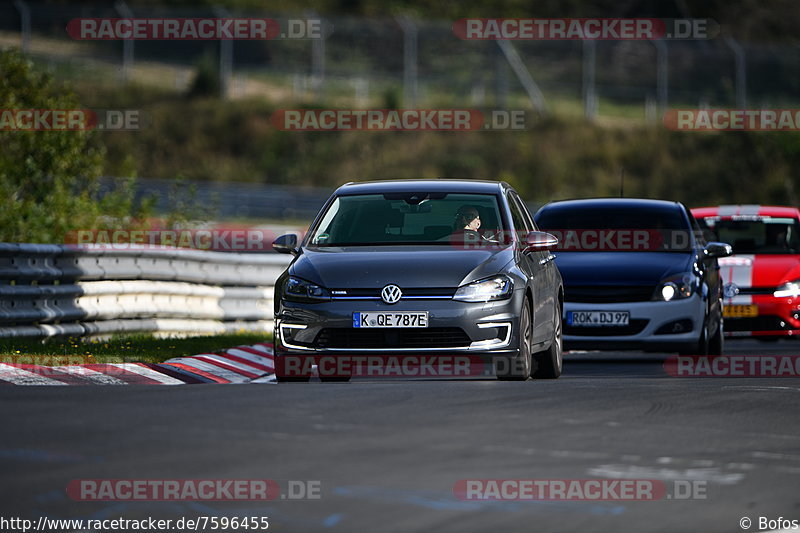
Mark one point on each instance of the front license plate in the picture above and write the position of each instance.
(399, 319)
(598, 318)
(740, 311)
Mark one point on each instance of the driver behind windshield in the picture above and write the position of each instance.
(467, 219)
(466, 225)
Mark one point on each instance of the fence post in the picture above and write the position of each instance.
(127, 44)
(410, 38)
(523, 75)
(361, 86)
(589, 87)
(662, 74)
(225, 58)
(650, 111)
(741, 71)
(500, 79)
(25, 24)
(317, 61)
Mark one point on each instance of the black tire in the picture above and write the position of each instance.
(280, 379)
(293, 377)
(519, 368)
(549, 362)
(716, 344)
(702, 345)
(337, 379)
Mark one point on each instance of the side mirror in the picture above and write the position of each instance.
(285, 244)
(540, 240)
(718, 249)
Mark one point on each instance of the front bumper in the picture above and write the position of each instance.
(777, 317)
(654, 326)
(489, 329)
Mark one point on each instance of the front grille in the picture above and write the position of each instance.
(758, 323)
(636, 325)
(440, 292)
(392, 338)
(756, 290)
(609, 293)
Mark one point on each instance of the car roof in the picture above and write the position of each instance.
(622, 203)
(420, 185)
(752, 210)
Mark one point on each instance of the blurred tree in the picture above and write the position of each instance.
(206, 82)
(48, 179)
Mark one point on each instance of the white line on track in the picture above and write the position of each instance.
(18, 376)
(261, 360)
(261, 348)
(633, 472)
(148, 373)
(230, 362)
(90, 375)
(231, 376)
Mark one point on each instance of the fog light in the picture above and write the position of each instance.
(504, 336)
(676, 327)
(288, 333)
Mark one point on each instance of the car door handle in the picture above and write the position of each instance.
(547, 259)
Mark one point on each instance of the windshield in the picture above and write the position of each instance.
(405, 218)
(611, 217)
(757, 235)
(617, 229)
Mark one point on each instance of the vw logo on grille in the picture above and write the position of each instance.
(730, 290)
(391, 294)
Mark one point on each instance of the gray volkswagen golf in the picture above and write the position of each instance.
(435, 267)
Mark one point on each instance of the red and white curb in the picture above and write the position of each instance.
(243, 364)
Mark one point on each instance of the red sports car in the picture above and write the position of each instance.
(762, 278)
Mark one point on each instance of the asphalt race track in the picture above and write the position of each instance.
(387, 454)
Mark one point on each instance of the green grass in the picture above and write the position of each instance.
(118, 349)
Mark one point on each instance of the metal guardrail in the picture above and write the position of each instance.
(97, 290)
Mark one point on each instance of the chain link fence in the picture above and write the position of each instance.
(417, 63)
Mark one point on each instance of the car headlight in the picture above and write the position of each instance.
(676, 287)
(496, 288)
(304, 291)
(790, 289)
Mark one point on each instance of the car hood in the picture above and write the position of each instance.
(748, 270)
(621, 268)
(377, 266)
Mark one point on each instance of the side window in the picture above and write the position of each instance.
(700, 236)
(517, 217)
(531, 225)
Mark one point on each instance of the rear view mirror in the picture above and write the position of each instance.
(285, 244)
(422, 207)
(718, 249)
(540, 240)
